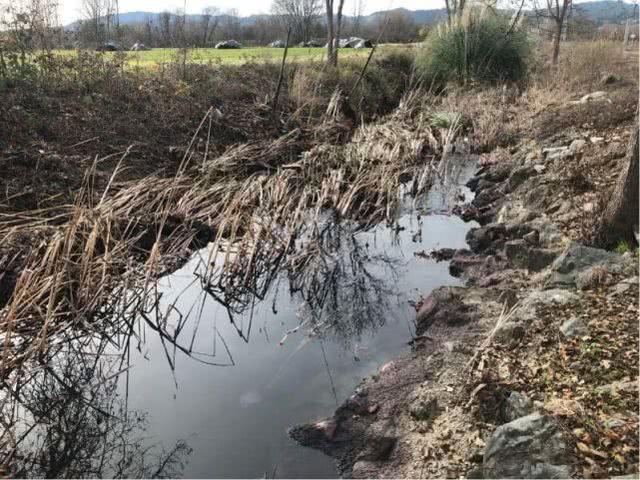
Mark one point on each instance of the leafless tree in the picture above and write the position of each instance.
(358, 7)
(555, 12)
(165, 28)
(330, 32)
(397, 26)
(455, 8)
(230, 25)
(208, 23)
(300, 15)
(334, 26)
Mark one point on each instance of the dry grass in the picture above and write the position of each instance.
(254, 198)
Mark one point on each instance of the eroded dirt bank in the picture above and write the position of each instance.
(531, 370)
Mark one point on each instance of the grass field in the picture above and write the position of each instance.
(206, 55)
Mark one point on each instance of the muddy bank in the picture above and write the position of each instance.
(505, 378)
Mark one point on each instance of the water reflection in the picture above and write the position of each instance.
(66, 419)
(229, 351)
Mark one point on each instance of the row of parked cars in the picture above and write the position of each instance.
(351, 42)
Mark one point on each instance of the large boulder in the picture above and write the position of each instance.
(277, 44)
(139, 47)
(228, 44)
(443, 307)
(576, 259)
(528, 447)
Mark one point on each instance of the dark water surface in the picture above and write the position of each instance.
(287, 360)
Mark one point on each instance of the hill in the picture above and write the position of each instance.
(602, 11)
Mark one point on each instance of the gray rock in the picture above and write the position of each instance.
(574, 327)
(528, 447)
(377, 449)
(591, 97)
(615, 387)
(548, 297)
(521, 255)
(532, 238)
(624, 286)
(577, 145)
(519, 176)
(556, 153)
(517, 252)
(593, 277)
(609, 78)
(515, 406)
(577, 258)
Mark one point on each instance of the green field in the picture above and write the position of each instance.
(211, 55)
(206, 55)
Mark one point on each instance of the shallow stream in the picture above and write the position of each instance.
(286, 360)
(207, 378)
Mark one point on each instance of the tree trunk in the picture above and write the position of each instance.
(338, 33)
(556, 42)
(620, 216)
(330, 37)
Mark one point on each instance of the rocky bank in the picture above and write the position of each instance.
(530, 371)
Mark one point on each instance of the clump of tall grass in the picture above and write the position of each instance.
(480, 46)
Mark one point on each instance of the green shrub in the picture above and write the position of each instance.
(479, 47)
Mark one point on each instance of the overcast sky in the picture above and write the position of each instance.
(70, 9)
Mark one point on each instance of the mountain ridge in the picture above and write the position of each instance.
(599, 11)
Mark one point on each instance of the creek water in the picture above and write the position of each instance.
(285, 359)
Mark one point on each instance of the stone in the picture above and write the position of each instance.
(486, 197)
(488, 237)
(519, 176)
(528, 447)
(539, 168)
(609, 78)
(551, 296)
(615, 388)
(624, 286)
(521, 255)
(591, 97)
(574, 327)
(577, 258)
(424, 410)
(484, 184)
(515, 212)
(532, 238)
(577, 145)
(556, 153)
(442, 306)
(593, 277)
(515, 406)
(378, 448)
(517, 252)
(596, 139)
(328, 428)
